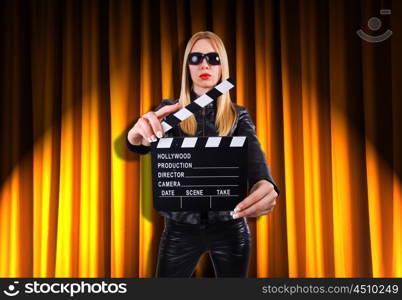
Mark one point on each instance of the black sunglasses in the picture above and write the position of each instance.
(195, 58)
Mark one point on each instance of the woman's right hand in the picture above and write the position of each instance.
(148, 127)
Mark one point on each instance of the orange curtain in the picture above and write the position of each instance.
(75, 75)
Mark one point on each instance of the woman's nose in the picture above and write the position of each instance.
(204, 64)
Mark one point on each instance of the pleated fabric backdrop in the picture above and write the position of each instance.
(75, 75)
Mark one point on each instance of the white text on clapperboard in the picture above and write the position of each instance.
(174, 174)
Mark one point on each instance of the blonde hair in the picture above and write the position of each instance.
(226, 113)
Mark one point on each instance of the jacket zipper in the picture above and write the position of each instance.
(203, 122)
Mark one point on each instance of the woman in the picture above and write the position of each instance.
(224, 234)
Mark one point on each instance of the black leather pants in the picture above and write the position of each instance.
(181, 246)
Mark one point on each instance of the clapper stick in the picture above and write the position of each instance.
(202, 101)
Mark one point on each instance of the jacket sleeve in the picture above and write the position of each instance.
(141, 149)
(258, 168)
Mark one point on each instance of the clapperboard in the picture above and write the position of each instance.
(198, 173)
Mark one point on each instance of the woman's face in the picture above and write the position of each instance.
(204, 75)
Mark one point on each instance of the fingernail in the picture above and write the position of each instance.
(231, 213)
(154, 139)
(236, 209)
(235, 216)
(159, 134)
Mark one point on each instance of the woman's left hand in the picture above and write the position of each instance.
(261, 201)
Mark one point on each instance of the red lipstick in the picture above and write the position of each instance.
(205, 76)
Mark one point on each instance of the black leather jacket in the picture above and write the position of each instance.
(244, 126)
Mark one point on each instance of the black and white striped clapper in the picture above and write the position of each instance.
(202, 101)
(199, 173)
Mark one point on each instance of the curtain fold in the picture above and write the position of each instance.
(76, 75)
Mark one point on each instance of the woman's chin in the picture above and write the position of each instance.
(207, 84)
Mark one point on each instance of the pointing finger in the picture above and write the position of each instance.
(167, 110)
(155, 124)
